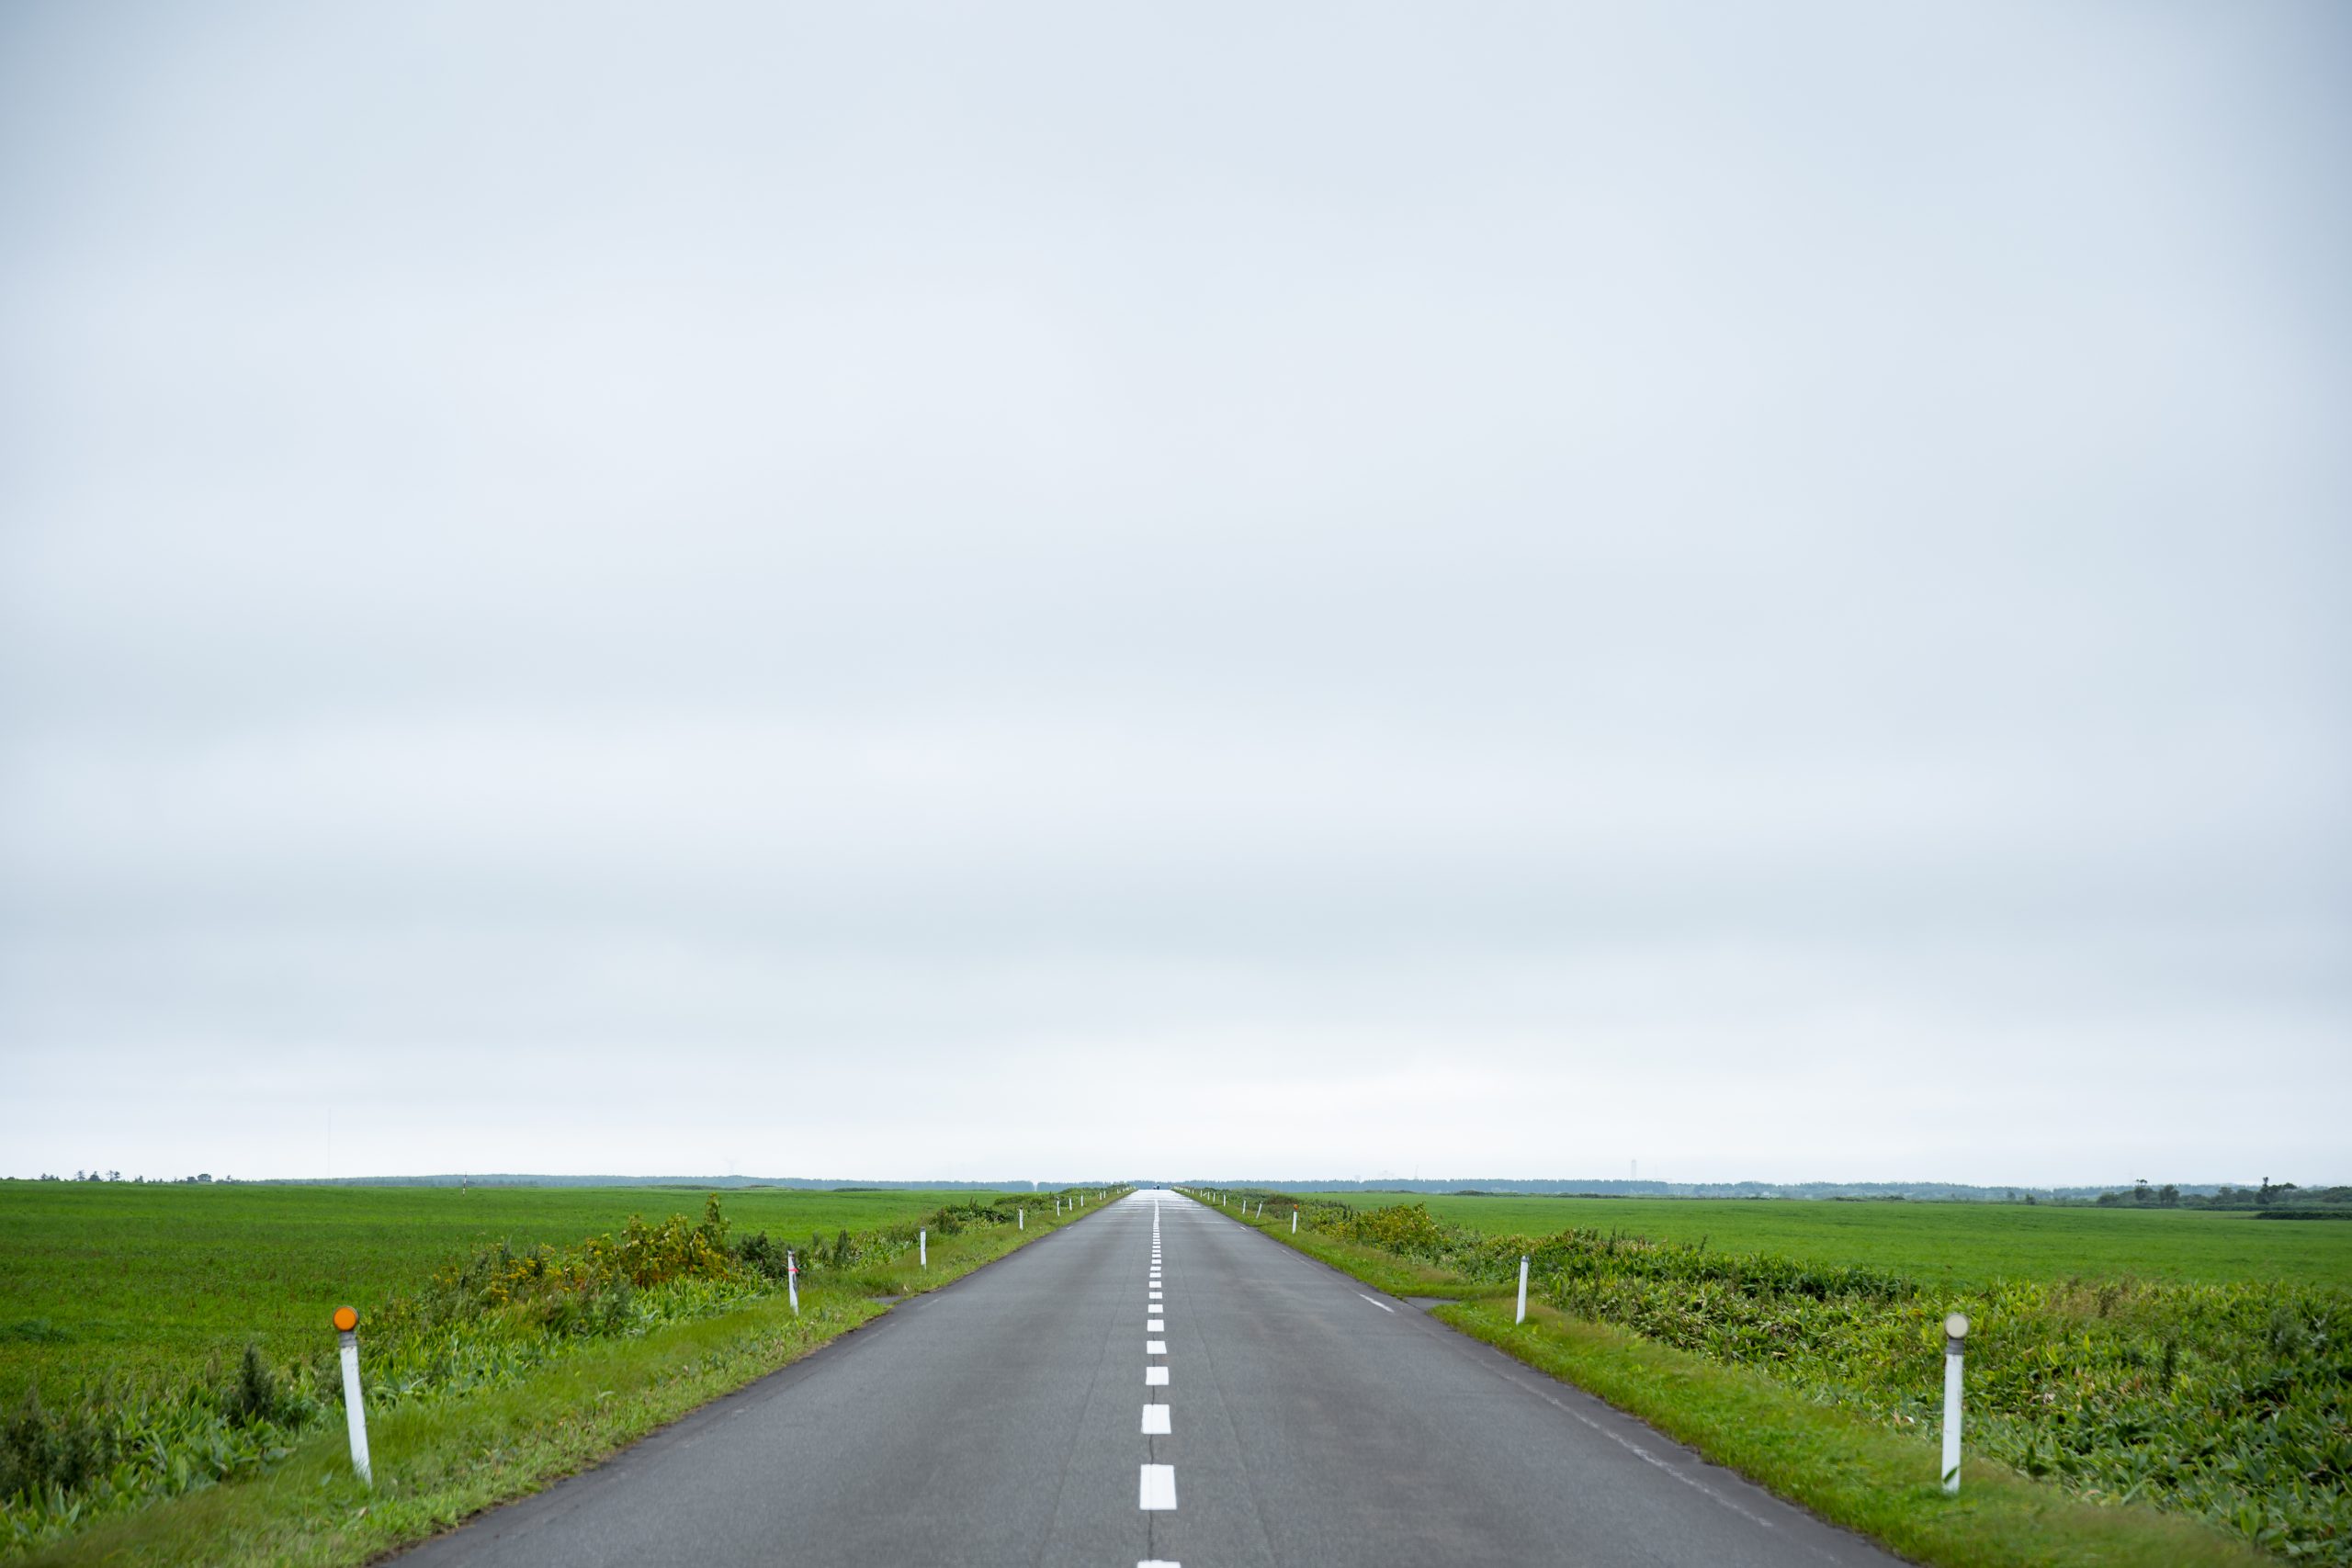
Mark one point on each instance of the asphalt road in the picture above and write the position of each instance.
(1011, 1418)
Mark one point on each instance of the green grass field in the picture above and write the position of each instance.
(155, 1282)
(1955, 1242)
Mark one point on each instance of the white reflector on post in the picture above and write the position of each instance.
(1955, 1336)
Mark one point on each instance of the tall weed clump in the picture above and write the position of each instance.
(866, 1258)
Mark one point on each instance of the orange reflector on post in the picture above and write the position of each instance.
(355, 1414)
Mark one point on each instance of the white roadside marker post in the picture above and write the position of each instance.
(1955, 1334)
(1293, 1219)
(1021, 1219)
(792, 1279)
(1522, 1289)
(922, 1248)
(355, 1415)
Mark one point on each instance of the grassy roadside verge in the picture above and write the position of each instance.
(439, 1461)
(1382, 1270)
(1839, 1465)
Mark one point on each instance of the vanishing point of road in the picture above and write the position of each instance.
(1156, 1385)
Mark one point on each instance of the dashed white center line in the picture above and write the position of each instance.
(1156, 1483)
(1382, 1306)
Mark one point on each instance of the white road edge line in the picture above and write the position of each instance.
(1648, 1458)
(1382, 1306)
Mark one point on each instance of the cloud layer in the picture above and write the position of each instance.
(1078, 591)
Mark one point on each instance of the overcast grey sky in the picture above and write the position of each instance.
(861, 591)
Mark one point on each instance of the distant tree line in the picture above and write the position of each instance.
(2269, 1195)
(2143, 1194)
(136, 1181)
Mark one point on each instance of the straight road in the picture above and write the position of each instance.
(1154, 1385)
